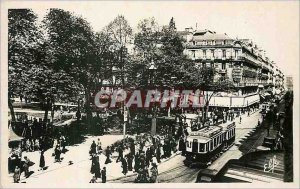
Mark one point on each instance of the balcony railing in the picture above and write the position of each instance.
(250, 83)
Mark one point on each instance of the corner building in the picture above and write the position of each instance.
(239, 60)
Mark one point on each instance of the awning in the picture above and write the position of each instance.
(260, 86)
(13, 136)
(267, 94)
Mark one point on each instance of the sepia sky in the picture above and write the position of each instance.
(273, 25)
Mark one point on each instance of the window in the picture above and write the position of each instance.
(204, 53)
(215, 142)
(189, 144)
(236, 53)
(193, 54)
(201, 147)
(224, 53)
(224, 42)
(211, 144)
(223, 66)
(194, 42)
(212, 53)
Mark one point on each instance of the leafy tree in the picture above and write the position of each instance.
(49, 85)
(203, 78)
(105, 56)
(164, 48)
(23, 40)
(120, 34)
(72, 43)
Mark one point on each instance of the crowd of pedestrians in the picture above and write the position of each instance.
(140, 155)
(24, 166)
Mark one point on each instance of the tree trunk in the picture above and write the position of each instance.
(206, 106)
(88, 108)
(12, 112)
(52, 111)
(46, 112)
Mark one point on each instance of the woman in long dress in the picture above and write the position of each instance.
(42, 161)
(108, 153)
(99, 148)
(57, 154)
(97, 170)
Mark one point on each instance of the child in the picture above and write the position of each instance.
(17, 175)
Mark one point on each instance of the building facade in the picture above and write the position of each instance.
(289, 83)
(239, 60)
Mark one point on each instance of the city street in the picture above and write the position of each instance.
(170, 170)
(98, 94)
(174, 171)
(79, 155)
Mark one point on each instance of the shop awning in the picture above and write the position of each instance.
(13, 136)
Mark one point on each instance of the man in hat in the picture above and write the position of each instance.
(158, 153)
(120, 150)
(148, 157)
(93, 148)
(26, 166)
(154, 173)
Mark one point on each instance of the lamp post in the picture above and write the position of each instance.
(152, 69)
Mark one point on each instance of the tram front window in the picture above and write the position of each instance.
(201, 147)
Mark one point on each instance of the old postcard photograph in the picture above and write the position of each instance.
(155, 94)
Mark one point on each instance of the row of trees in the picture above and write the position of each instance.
(62, 56)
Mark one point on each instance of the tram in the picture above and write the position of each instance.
(207, 144)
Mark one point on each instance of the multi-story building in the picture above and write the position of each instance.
(239, 60)
(278, 81)
(289, 83)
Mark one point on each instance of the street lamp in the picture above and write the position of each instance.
(152, 69)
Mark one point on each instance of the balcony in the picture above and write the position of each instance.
(250, 83)
(222, 71)
(249, 73)
(199, 46)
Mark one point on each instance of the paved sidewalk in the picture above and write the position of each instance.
(79, 155)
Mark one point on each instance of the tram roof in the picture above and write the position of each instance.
(227, 125)
(200, 139)
(207, 131)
